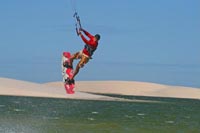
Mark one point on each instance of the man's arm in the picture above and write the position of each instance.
(83, 38)
(87, 33)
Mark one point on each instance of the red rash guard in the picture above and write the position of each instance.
(91, 44)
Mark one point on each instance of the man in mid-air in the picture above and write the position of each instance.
(84, 55)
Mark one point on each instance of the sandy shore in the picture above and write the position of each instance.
(84, 89)
(11, 87)
(135, 88)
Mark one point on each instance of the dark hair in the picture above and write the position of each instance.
(97, 36)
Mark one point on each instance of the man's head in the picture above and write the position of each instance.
(97, 36)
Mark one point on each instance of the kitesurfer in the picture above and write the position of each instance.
(84, 55)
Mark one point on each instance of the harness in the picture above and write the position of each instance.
(90, 49)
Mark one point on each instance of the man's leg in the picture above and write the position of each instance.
(74, 56)
(76, 71)
(82, 62)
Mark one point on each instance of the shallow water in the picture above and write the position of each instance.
(45, 115)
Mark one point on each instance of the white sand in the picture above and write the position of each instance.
(13, 87)
(135, 88)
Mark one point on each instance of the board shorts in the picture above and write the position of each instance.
(84, 59)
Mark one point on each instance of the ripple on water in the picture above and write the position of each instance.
(95, 112)
(1, 106)
(141, 114)
(50, 118)
(18, 110)
(91, 119)
(128, 116)
(187, 117)
(170, 122)
(16, 102)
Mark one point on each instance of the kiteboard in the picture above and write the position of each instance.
(67, 73)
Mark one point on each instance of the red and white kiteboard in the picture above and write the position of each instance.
(67, 73)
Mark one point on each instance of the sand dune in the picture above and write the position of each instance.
(84, 89)
(11, 87)
(135, 88)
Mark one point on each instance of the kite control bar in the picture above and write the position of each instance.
(78, 22)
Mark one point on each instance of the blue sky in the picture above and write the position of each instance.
(141, 40)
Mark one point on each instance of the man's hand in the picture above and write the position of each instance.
(81, 29)
(79, 32)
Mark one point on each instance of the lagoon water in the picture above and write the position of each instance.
(45, 115)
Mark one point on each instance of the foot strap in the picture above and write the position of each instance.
(66, 64)
(69, 81)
